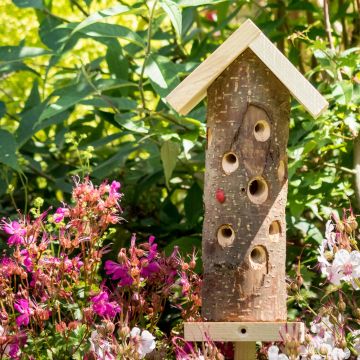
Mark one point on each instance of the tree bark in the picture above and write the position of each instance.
(244, 237)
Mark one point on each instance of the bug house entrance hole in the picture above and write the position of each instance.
(262, 130)
(258, 190)
(275, 231)
(225, 235)
(258, 257)
(230, 163)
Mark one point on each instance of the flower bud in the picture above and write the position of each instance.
(348, 228)
(356, 313)
(3, 340)
(329, 255)
(340, 226)
(343, 344)
(124, 331)
(353, 224)
(109, 327)
(323, 350)
(308, 338)
(299, 280)
(341, 305)
(294, 287)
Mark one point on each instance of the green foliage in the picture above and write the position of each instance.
(102, 72)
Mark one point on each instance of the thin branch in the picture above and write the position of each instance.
(147, 53)
(328, 25)
(76, 4)
(342, 168)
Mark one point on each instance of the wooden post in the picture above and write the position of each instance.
(248, 82)
(245, 351)
(244, 243)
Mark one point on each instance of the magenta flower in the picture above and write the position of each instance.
(60, 213)
(149, 269)
(26, 259)
(103, 307)
(114, 188)
(22, 306)
(16, 231)
(118, 272)
(153, 248)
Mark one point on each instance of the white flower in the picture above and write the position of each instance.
(145, 341)
(273, 354)
(340, 354)
(100, 347)
(347, 266)
(330, 235)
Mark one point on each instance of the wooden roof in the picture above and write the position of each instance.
(193, 89)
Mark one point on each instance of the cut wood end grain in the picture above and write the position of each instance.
(243, 331)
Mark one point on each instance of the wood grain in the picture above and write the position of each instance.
(234, 331)
(193, 89)
(236, 288)
(245, 351)
(285, 71)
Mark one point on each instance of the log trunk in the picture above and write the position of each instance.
(244, 237)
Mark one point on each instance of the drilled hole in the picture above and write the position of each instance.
(262, 130)
(258, 257)
(281, 171)
(275, 231)
(243, 331)
(230, 162)
(258, 190)
(225, 235)
(243, 189)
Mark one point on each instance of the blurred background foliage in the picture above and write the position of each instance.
(82, 92)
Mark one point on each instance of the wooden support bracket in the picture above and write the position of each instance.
(243, 331)
(243, 334)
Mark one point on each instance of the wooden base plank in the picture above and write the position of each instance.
(243, 331)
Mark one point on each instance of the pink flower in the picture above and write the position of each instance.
(103, 307)
(118, 272)
(16, 231)
(22, 306)
(347, 267)
(26, 259)
(114, 188)
(60, 213)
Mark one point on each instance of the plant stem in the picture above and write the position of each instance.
(147, 53)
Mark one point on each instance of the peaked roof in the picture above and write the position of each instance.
(193, 89)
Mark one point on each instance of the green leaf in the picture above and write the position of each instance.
(36, 4)
(117, 63)
(68, 97)
(185, 3)
(120, 103)
(100, 30)
(115, 162)
(169, 153)
(16, 53)
(162, 73)
(7, 68)
(2, 109)
(8, 148)
(174, 13)
(193, 204)
(102, 14)
(130, 124)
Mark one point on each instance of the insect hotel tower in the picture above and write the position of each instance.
(248, 83)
